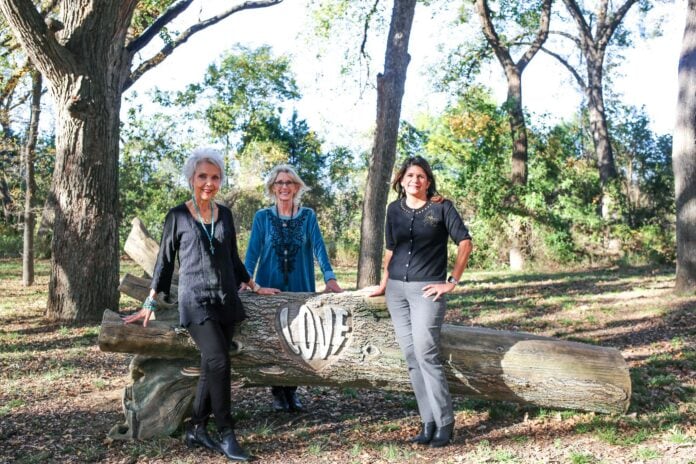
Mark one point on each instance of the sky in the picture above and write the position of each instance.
(343, 111)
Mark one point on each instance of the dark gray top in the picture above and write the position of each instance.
(208, 282)
(418, 239)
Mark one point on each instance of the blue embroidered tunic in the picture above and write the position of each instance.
(284, 249)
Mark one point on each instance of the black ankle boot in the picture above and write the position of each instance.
(231, 448)
(425, 435)
(293, 401)
(197, 435)
(442, 436)
(280, 402)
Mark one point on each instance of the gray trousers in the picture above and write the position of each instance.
(417, 322)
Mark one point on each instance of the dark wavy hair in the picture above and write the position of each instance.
(425, 166)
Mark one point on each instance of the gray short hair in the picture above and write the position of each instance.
(289, 170)
(203, 155)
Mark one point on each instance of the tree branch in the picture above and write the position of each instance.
(14, 79)
(568, 66)
(568, 36)
(492, 37)
(30, 30)
(168, 48)
(605, 31)
(576, 14)
(160, 23)
(366, 27)
(541, 36)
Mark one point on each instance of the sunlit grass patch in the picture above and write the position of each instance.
(11, 405)
(393, 452)
(645, 453)
(578, 457)
(677, 436)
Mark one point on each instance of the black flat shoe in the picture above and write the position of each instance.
(280, 402)
(293, 401)
(197, 435)
(425, 435)
(231, 448)
(442, 436)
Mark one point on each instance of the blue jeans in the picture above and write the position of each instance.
(417, 322)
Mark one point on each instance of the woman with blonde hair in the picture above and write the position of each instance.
(285, 239)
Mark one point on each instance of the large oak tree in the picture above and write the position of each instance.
(86, 56)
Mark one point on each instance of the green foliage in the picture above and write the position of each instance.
(244, 90)
(241, 102)
(559, 208)
(150, 170)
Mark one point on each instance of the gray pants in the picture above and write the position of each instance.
(417, 322)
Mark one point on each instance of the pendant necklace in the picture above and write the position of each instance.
(210, 234)
(286, 261)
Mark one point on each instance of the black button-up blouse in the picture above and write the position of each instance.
(208, 282)
(418, 239)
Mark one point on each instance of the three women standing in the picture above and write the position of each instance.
(285, 239)
(203, 236)
(415, 265)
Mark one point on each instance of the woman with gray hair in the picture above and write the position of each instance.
(202, 234)
(285, 239)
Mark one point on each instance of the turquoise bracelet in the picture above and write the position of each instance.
(150, 304)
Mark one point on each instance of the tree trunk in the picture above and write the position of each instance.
(6, 198)
(32, 134)
(518, 128)
(513, 107)
(518, 133)
(684, 158)
(85, 71)
(600, 133)
(390, 92)
(84, 250)
(45, 233)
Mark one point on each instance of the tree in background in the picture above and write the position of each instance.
(390, 91)
(684, 157)
(596, 30)
(29, 183)
(535, 19)
(86, 57)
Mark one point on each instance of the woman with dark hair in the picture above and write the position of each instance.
(201, 233)
(415, 266)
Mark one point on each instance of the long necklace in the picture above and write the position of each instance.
(286, 258)
(210, 234)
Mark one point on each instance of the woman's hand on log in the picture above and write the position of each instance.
(437, 289)
(377, 290)
(332, 287)
(143, 314)
(267, 291)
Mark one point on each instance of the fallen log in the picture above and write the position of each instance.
(347, 340)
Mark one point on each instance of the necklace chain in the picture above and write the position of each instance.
(210, 234)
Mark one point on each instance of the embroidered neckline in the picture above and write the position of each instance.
(406, 209)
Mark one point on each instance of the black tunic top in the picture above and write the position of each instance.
(418, 239)
(208, 282)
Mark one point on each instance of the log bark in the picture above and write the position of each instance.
(346, 340)
(143, 249)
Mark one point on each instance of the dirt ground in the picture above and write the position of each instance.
(60, 395)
